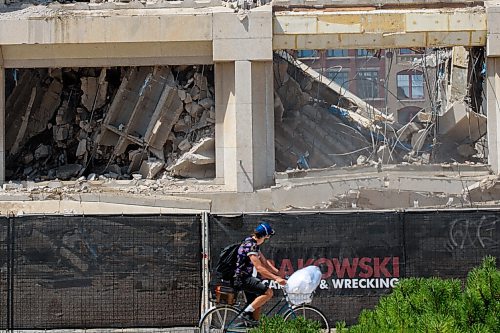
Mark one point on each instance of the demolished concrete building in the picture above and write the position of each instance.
(84, 124)
(171, 127)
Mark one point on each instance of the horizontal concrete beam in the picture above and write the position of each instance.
(104, 55)
(243, 38)
(58, 207)
(47, 37)
(379, 28)
(44, 25)
(493, 15)
(365, 3)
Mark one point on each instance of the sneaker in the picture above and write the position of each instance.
(249, 321)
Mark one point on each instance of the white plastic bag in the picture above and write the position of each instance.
(302, 283)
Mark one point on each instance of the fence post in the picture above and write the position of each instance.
(10, 275)
(205, 243)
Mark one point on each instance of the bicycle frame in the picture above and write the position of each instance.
(228, 319)
(283, 305)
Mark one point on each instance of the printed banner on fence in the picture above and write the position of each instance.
(358, 254)
(347, 273)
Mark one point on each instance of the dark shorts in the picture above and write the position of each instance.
(253, 287)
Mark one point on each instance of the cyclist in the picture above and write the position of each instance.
(251, 261)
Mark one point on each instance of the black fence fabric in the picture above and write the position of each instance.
(117, 271)
(361, 254)
(146, 271)
(4, 272)
(448, 244)
(364, 254)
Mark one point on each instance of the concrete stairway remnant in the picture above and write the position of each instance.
(143, 111)
(334, 127)
(342, 97)
(110, 122)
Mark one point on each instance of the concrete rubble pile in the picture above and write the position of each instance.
(120, 123)
(321, 124)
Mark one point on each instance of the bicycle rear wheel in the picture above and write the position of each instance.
(222, 319)
(311, 313)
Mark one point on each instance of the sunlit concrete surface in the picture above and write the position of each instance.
(372, 28)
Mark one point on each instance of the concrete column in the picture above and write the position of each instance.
(263, 123)
(2, 119)
(224, 105)
(244, 129)
(493, 110)
(244, 100)
(493, 84)
(239, 131)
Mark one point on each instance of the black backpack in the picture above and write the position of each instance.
(226, 265)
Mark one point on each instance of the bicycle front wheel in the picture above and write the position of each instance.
(222, 319)
(310, 313)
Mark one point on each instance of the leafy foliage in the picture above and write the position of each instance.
(277, 324)
(434, 305)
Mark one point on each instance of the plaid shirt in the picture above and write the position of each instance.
(244, 266)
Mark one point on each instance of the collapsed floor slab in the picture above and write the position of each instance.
(109, 122)
(396, 187)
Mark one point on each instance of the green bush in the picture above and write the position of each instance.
(277, 324)
(419, 305)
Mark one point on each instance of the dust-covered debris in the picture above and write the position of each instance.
(111, 122)
(317, 127)
(319, 123)
(199, 161)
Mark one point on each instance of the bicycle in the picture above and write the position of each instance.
(225, 318)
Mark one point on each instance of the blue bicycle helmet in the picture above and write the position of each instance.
(264, 229)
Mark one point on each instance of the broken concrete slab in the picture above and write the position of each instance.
(199, 162)
(459, 71)
(150, 91)
(42, 151)
(94, 91)
(11, 186)
(31, 105)
(184, 145)
(405, 132)
(68, 171)
(135, 157)
(150, 168)
(459, 123)
(396, 199)
(466, 150)
(292, 96)
(194, 108)
(418, 139)
(165, 115)
(363, 108)
(81, 150)
(24, 123)
(487, 189)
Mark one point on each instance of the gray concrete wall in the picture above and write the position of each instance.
(362, 3)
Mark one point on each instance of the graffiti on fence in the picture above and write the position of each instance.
(473, 233)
